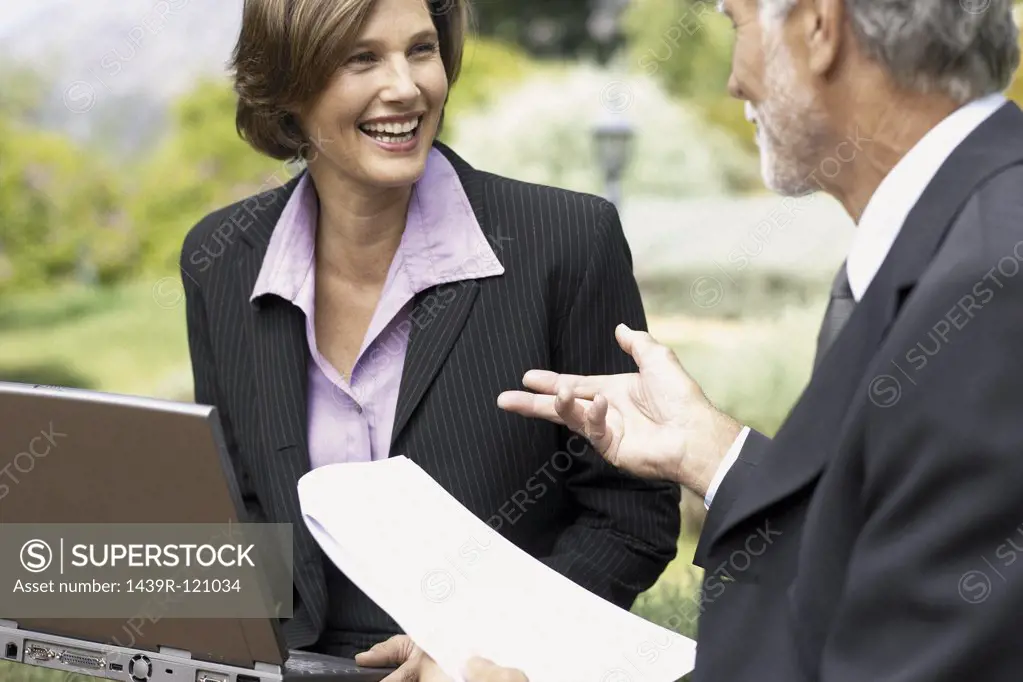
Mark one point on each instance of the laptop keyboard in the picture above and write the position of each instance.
(312, 663)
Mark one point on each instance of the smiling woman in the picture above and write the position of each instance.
(357, 72)
(378, 303)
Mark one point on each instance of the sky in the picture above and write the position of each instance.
(13, 12)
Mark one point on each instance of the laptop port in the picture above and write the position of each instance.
(202, 676)
(116, 666)
(247, 678)
(40, 653)
(81, 660)
(11, 650)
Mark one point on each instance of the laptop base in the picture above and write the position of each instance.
(105, 662)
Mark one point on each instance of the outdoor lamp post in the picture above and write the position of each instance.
(613, 136)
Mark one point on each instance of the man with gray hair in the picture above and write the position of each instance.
(875, 538)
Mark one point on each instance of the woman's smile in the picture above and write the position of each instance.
(395, 134)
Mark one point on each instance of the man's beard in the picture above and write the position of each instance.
(790, 126)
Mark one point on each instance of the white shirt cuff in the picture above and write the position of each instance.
(726, 464)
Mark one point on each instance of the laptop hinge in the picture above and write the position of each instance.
(171, 651)
(8, 624)
(271, 668)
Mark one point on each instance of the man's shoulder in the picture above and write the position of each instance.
(964, 307)
(987, 230)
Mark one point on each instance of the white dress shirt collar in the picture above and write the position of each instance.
(900, 190)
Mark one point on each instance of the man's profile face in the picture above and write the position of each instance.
(778, 98)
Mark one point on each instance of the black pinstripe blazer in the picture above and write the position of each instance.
(568, 281)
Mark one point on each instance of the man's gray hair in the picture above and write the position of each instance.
(963, 48)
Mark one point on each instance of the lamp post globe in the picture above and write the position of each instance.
(613, 136)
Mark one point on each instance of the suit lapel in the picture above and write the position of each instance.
(280, 355)
(431, 341)
(808, 438)
(430, 344)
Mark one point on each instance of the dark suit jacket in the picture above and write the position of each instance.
(876, 537)
(568, 281)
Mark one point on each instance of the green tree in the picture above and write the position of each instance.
(489, 67)
(22, 91)
(1015, 90)
(545, 28)
(58, 210)
(200, 164)
(687, 46)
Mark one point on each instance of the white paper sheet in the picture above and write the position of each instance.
(459, 589)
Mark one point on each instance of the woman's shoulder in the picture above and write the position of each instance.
(570, 220)
(532, 206)
(222, 230)
(559, 231)
(533, 195)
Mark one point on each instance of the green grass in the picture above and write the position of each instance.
(129, 340)
(737, 296)
(16, 672)
(671, 602)
(754, 369)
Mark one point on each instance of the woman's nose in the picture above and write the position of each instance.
(401, 85)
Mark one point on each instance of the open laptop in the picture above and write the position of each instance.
(128, 459)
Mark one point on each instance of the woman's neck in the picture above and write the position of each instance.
(358, 231)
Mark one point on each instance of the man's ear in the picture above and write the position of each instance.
(823, 25)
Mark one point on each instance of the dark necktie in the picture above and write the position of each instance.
(839, 310)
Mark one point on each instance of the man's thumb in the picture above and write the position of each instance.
(389, 652)
(637, 344)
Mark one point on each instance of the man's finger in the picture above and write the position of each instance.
(548, 383)
(596, 424)
(393, 651)
(529, 405)
(572, 410)
(542, 381)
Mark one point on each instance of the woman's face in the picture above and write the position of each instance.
(378, 116)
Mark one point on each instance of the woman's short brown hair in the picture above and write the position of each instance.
(288, 51)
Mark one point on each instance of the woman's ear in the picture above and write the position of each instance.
(292, 128)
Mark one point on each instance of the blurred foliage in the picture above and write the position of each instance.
(22, 91)
(72, 213)
(125, 339)
(59, 208)
(1015, 89)
(44, 375)
(200, 165)
(487, 67)
(687, 46)
(756, 291)
(547, 28)
(546, 136)
(17, 672)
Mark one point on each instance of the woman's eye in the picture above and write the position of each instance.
(425, 48)
(362, 58)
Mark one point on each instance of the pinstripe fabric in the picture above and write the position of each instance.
(568, 281)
